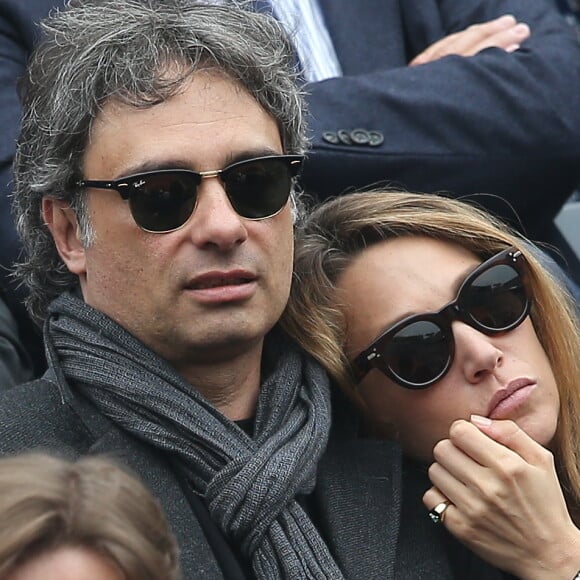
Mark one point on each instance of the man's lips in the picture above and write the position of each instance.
(221, 286)
(216, 282)
(507, 399)
(217, 278)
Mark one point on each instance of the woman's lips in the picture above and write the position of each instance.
(507, 400)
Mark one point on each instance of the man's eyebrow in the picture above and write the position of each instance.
(250, 154)
(181, 163)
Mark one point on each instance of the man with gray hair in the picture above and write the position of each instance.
(154, 179)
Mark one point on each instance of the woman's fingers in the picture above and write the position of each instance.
(504, 494)
(437, 504)
(509, 435)
(493, 444)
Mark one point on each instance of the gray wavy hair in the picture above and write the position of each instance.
(96, 51)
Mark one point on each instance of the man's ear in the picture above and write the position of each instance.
(62, 222)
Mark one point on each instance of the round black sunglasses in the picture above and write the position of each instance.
(163, 201)
(418, 351)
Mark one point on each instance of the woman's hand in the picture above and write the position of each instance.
(506, 503)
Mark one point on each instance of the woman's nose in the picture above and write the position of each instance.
(476, 352)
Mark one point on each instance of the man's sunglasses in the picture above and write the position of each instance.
(163, 201)
(418, 351)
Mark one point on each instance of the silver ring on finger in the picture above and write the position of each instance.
(437, 514)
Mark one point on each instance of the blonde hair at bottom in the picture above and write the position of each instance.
(47, 503)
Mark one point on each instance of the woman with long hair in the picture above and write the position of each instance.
(449, 335)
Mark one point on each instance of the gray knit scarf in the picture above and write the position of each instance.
(249, 484)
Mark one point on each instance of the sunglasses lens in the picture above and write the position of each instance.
(418, 354)
(163, 202)
(258, 189)
(496, 299)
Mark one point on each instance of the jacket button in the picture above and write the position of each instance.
(376, 138)
(344, 137)
(330, 137)
(360, 136)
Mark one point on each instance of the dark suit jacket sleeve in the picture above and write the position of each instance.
(15, 368)
(507, 124)
(18, 32)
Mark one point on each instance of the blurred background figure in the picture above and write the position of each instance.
(84, 520)
(571, 11)
(15, 367)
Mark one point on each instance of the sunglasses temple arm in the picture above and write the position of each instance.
(359, 367)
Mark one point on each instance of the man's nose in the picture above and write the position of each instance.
(475, 352)
(215, 222)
